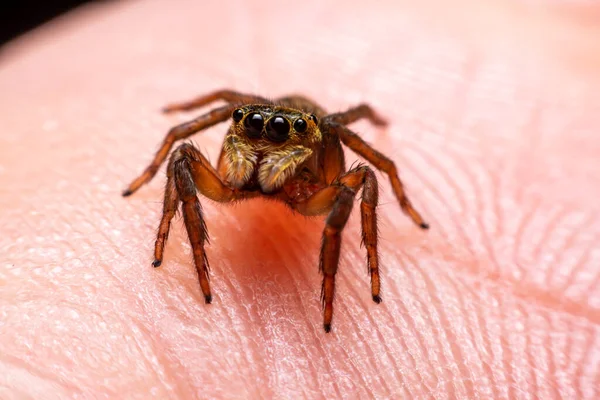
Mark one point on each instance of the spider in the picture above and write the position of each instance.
(289, 149)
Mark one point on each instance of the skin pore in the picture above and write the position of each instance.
(493, 113)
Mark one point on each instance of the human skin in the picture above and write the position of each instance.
(493, 124)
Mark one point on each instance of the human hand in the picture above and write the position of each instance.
(493, 121)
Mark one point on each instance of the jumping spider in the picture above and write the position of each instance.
(288, 149)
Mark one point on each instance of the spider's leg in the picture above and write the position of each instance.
(301, 103)
(338, 199)
(189, 171)
(365, 177)
(170, 203)
(355, 113)
(177, 133)
(381, 162)
(229, 96)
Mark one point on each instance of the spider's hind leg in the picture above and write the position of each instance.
(229, 96)
(303, 103)
(356, 113)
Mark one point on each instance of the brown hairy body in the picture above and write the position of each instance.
(288, 149)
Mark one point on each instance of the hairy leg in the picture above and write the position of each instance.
(355, 113)
(177, 133)
(189, 171)
(381, 162)
(303, 103)
(365, 177)
(230, 96)
(338, 199)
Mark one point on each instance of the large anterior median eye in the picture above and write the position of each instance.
(254, 124)
(278, 129)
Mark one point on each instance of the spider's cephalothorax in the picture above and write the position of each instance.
(288, 149)
(266, 144)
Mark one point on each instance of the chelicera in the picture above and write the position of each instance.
(288, 149)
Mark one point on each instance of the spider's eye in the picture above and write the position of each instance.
(314, 119)
(278, 129)
(254, 124)
(300, 125)
(237, 115)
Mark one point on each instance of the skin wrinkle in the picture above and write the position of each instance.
(424, 350)
(365, 306)
(471, 337)
(381, 381)
(364, 310)
(234, 292)
(486, 346)
(303, 310)
(556, 303)
(39, 372)
(525, 221)
(569, 243)
(540, 251)
(431, 160)
(446, 338)
(405, 347)
(64, 187)
(322, 350)
(429, 338)
(507, 357)
(593, 339)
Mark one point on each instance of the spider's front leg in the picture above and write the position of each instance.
(339, 198)
(177, 133)
(189, 171)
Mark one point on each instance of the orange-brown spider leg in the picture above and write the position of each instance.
(177, 133)
(339, 199)
(302, 103)
(170, 203)
(355, 113)
(330, 250)
(365, 177)
(229, 96)
(188, 172)
(381, 162)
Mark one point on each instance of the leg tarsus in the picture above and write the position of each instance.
(170, 202)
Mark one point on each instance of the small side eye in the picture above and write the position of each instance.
(300, 125)
(237, 115)
(254, 124)
(314, 119)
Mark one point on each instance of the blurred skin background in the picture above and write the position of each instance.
(493, 110)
